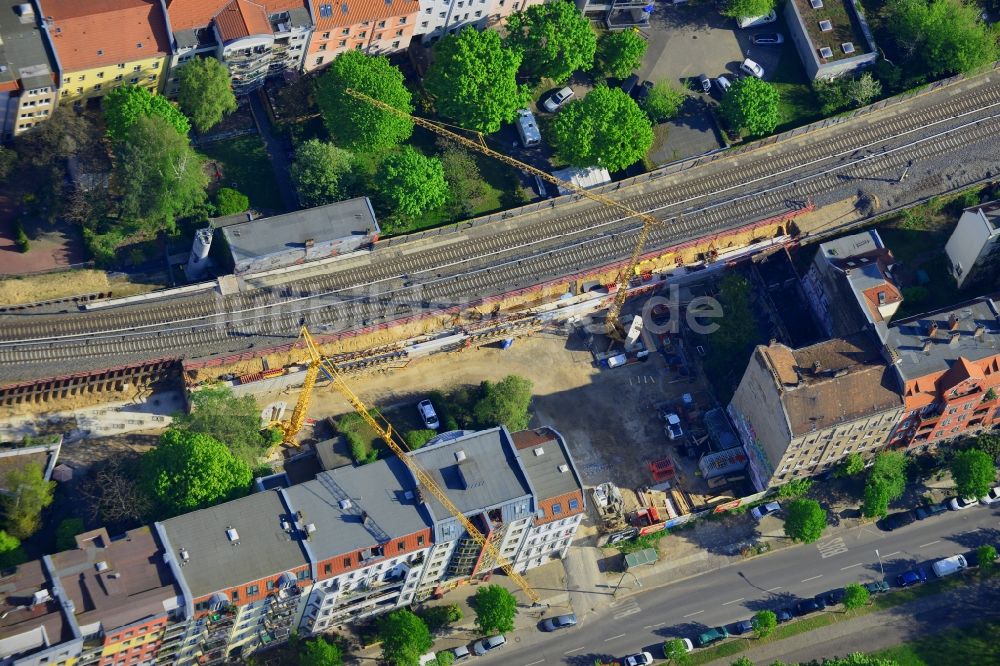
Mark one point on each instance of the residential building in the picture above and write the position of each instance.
(617, 14)
(299, 237)
(34, 627)
(800, 411)
(103, 44)
(44, 455)
(377, 27)
(948, 362)
(28, 79)
(438, 18)
(974, 246)
(832, 37)
(255, 40)
(849, 285)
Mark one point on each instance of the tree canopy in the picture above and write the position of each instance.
(851, 465)
(855, 596)
(404, 638)
(738, 9)
(886, 481)
(805, 520)
(663, 102)
(555, 37)
(675, 652)
(466, 186)
(321, 173)
(472, 80)
(319, 652)
(764, 623)
(620, 52)
(504, 403)
(751, 105)
(606, 128)
(230, 202)
(973, 472)
(205, 93)
(28, 494)
(355, 124)
(939, 37)
(192, 470)
(11, 553)
(233, 420)
(411, 183)
(495, 609)
(125, 105)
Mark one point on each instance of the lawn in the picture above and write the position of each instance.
(798, 105)
(246, 167)
(977, 643)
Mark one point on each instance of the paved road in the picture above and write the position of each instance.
(644, 620)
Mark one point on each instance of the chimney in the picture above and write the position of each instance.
(952, 322)
(932, 329)
(980, 332)
(955, 337)
(817, 366)
(927, 346)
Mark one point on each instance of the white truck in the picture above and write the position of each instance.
(949, 565)
(527, 128)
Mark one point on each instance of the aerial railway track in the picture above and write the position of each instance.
(408, 277)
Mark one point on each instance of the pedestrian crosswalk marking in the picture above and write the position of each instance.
(625, 608)
(832, 547)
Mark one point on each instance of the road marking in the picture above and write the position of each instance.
(927, 544)
(773, 589)
(654, 626)
(613, 638)
(733, 601)
(582, 647)
(851, 566)
(813, 578)
(891, 554)
(832, 547)
(695, 613)
(535, 662)
(626, 608)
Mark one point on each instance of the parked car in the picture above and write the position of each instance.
(711, 636)
(723, 84)
(629, 84)
(896, 520)
(911, 577)
(558, 98)
(949, 565)
(877, 587)
(783, 615)
(638, 659)
(929, 510)
(959, 503)
(742, 627)
(807, 606)
(833, 597)
(642, 92)
(559, 622)
(673, 426)
(767, 39)
(485, 645)
(428, 415)
(991, 497)
(461, 653)
(752, 68)
(704, 83)
(758, 512)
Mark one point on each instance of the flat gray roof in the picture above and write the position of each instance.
(488, 476)
(908, 337)
(269, 235)
(544, 456)
(382, 491)
(22, 48)
(261, 548)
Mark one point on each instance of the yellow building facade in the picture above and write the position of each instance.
(83, 84)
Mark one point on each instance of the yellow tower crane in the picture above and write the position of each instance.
(613, 322)
(378, 423)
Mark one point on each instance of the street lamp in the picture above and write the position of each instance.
(626, 573)
(880, 563)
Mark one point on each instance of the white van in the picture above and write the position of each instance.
(528, 128)
(949, 565)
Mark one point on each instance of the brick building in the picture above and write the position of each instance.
(376, 27)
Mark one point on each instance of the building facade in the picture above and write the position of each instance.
(93, 58)
(948, 363)
(800, 411)
(376, 27)
(28, 78)
(973, 248)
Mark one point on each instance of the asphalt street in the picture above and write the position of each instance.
(644, 620)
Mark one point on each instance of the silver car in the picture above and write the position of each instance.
(560, 97)
(488, 644)
(559, 622)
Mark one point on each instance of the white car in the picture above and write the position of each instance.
(673, 427)
(991, 497)
(758, 512)
(483, 646)
(428, 415)
(959, 503)
(638, 659)
(752, 68)
(560, 97)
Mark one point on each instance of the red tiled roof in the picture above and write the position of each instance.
(360, 10)
(242, 18)
(96, 33)
(190, 14)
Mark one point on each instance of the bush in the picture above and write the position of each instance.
(230, 202)
(359, 437)
(439, 617)
(23, 243)
(987, 557)
(417, 438)
(795, 488)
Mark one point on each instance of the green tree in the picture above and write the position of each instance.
(738, 9)
(28, 494)
(886, 482)
(855, 596)
(495, 609)
(466, 186)
(606, 128)
(832, 95)
(939, 37)
(355, 124)
(764, 622)
(126, 105)
(192, 470)
(410, 183)
(230, 202)
(620, 52)
(751, 105)
(973, 472)
(438, 617)
(675, 652)
(404, 638)
(556, 40)
(233, 420)
(864, 89)
(990, 444)
(852, 465)
(987, 557)
(321, 173)
(663, 102)
(66, 533)
(444, 658)
(860, 659)
(157, 175)
(742, 661)
(11, 553)
(205, 92)
(504, 403)
(472, 80)
(805, 520)
(795, 488)
(319, 652)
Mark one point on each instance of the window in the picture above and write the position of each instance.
(347, 561)
(136, 68)
(423, 24)
(362, 34)
(235, 595)
(303, 574)
(399, 33)
(79, 90)
(134, 79)
(345, 31)
(478, 14)
(118, 78)
(359, 46)
(81, 78)
(253, 590)
(402, 21)
(420, 539)
(381, 24)
(428, 10)
(378, 37)
(342, 42)
(322, 47)
(270, 585)
(574, 504)
(441, 15)
(326, 35)
(327, 569)
(326, 10)
(395, 45)
(156, 65)
(152, 77)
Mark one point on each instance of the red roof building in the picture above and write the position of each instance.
(373, 26)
